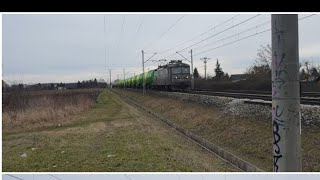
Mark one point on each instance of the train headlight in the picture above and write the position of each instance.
(187, 77)
(176, 77)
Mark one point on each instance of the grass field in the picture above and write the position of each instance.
(24, 110)
(249, 138)
(111, 136)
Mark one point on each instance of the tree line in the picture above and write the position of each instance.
(258, 75)
(261, 68)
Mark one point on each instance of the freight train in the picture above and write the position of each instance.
(173, 76)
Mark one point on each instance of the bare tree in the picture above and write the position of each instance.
(261, 69)
(264, 56)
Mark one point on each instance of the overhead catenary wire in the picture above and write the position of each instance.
(15, 177)
(257, 33)
(127, 177)
(142, 19)
(54, 176)
(104, 42)
(231, 27)
(306, 16)
(137, 33)
(123, 20)
(214, 27)
(178, 176)
(233, 35)
(175, 23)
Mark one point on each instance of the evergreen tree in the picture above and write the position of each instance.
(218, 70)
(195, 73)
(95, 82)
(303, 75)
(78, 85)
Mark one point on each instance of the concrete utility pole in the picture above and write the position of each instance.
(110, 78)
(124, 78)
(192, 77)
(143, 83)
(286, 113)
(205, 60)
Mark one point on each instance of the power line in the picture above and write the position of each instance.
(54, 176)
(257, 33)
(178, 176)
(306, 17)
(233, 42)
(176, 22)
(201, 34)
(14, 176)
(104, 42)
(222, 31)
(140, 23)
(233, 26)
(137, 33)
(124, 17)
(233, 35)
(127, 177)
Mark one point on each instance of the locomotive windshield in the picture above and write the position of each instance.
(179, 70)
(185, 70)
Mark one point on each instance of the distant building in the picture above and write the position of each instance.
(71, 85)
(238, 77)
(61, 88)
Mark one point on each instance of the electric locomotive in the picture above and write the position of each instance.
(173, 76)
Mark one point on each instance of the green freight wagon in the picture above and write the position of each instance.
(150, 79)
(140, 80)
(134, 82)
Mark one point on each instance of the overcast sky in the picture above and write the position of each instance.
(165, 176)
(71, 47)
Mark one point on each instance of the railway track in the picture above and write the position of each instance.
(304, 94)
(306, 99)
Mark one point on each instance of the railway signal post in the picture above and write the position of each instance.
(286, 112)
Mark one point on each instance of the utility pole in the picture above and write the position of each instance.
(143, 83)
(192, 77)
(286, 112)
(144, 76)
(205, 60)
(124, 78)
(110, 78)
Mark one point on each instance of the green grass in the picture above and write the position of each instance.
(112, 136)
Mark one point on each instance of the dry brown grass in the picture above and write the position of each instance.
(44, 109)
(247, 137)
(113, 137)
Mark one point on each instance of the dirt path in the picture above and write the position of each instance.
(113, 136)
